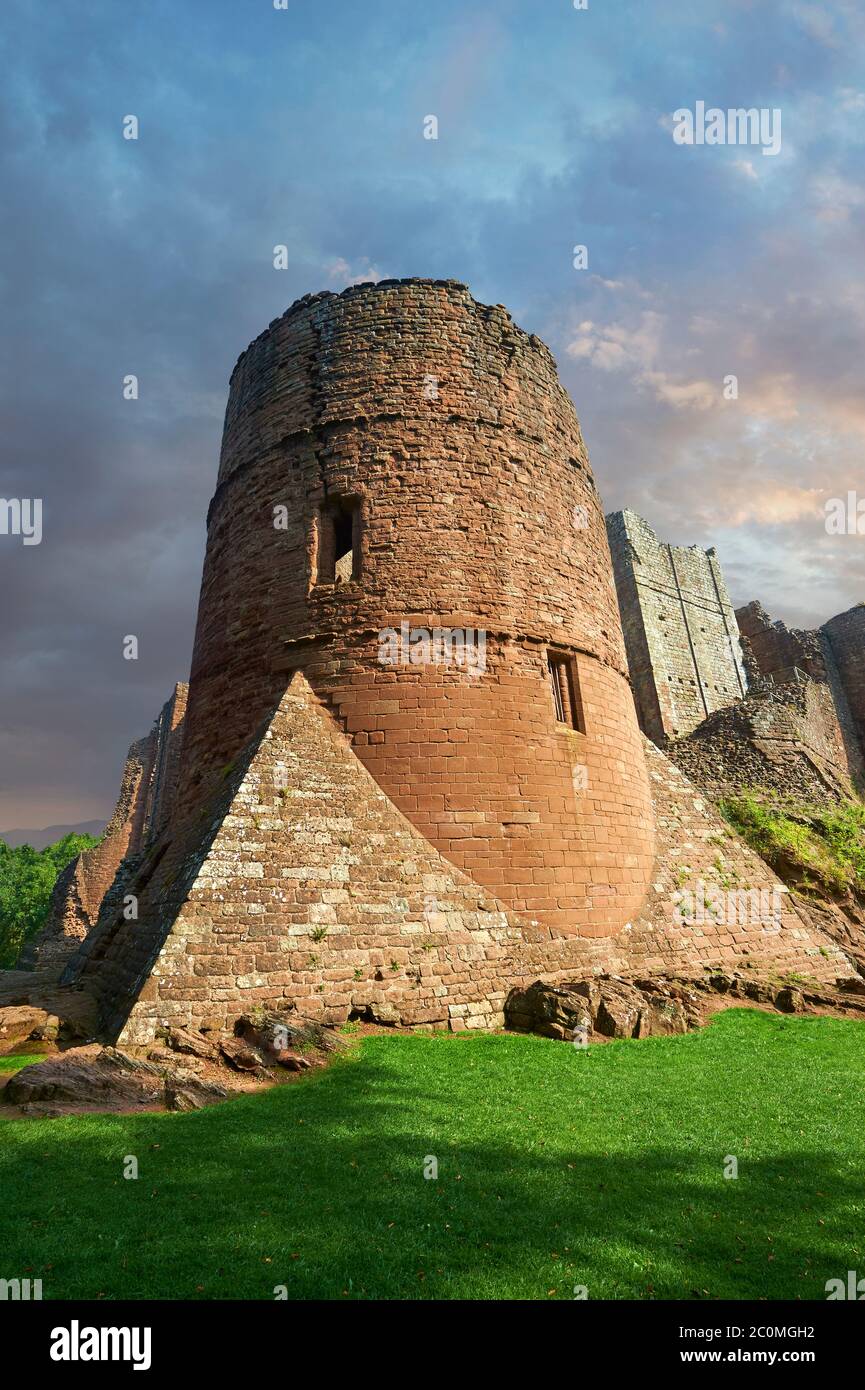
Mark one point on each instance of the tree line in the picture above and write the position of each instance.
(27, 876)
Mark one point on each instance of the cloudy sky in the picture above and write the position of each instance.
(304, 126)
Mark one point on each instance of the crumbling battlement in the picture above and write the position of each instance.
(784, 739)
(144, 805)
(845, 634)
(833, 658)
(773, 649)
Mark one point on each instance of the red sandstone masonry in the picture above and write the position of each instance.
(829, 728)
(785, 738)
(313, 888)
(158, 806)
(845, 635)
(468, 504)
(696, 845)
(81, 887)
(144, 804)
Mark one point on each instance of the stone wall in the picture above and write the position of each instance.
(782, 741)
(167, 734)
(773, 649)
(304, 883)
(680, 629)
(773, 709)
(783, 656)
(144, 805)
(700, 855)
(81, 886)
(845, 635)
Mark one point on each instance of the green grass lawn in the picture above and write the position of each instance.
(556, 1167)
(16, 1060)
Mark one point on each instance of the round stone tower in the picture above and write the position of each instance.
(405, 511)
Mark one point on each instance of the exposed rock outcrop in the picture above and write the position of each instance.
(105, 1079)
(18, 1023)
(610, 1006)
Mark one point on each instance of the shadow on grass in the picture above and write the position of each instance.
(542, 1185)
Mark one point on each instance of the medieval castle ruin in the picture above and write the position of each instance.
(347, 808)
(737, 701)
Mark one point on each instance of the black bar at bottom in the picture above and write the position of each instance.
(158, 1337)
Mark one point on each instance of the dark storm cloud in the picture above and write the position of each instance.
(304, 128)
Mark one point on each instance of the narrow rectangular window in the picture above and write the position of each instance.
(565, 689)
(339, 542)
(555, 686)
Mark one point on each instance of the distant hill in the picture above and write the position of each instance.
(51, 833)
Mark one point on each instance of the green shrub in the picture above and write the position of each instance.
(843, 829)
(27, 877)
(827, 847)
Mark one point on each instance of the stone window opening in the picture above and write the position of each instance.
(565, 689)
(339, 545)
